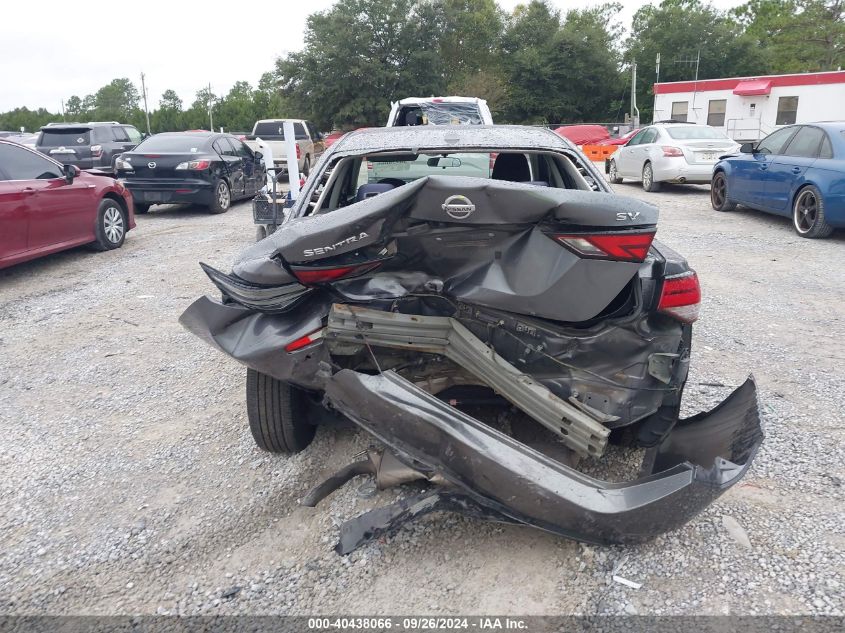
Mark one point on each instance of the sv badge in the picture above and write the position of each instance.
(625, 216)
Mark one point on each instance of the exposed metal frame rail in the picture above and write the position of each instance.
(579, 430)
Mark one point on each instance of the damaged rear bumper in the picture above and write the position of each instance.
(491, 475)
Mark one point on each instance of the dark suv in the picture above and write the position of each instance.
(92, 145)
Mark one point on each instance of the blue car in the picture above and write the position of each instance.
(797, 171)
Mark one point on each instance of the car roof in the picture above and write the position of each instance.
(415, 100)
(445, 136)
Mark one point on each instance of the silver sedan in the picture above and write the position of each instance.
(670, 152)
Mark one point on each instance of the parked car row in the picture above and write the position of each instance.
(797, 171)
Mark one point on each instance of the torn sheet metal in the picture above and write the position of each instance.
(699, 460)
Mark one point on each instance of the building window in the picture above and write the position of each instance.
(716, 112)
(679, 111)
(787, 109)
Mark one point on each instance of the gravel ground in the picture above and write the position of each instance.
(131, 483)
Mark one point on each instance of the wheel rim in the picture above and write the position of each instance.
(806, 211)
(612, 170)
(717, 191)
(647, 176)
(223, 195)
(113, 224)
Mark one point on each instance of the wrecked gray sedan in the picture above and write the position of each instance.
(492, 314)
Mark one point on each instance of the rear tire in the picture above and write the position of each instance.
(613, 173)
(278, 414)
(306, 167)
(719, 193)
(110, 230)
(808, 217)
(221, 197)
(648, 179)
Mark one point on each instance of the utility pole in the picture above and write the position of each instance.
(146, 109)
(208, 105)
(635, 113)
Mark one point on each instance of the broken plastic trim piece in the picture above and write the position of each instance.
(579, 430)
(701, 458)
(254, 296)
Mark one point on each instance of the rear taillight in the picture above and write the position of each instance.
(96, 151)
(194, 165)
(304, 341)
(680, 296)
(308, 276)
(670, 151)
(624, 247)
(298, 151)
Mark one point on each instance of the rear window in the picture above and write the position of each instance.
(691, 132)
(66, 138)
(443, 113)
(187, 144)
(269, 129)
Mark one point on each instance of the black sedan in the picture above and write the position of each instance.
(203, 168)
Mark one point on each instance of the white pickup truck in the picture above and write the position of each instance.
(309, 143)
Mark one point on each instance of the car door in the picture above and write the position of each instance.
(253, 169)
(624, 155)
(641, 152)
(234, 165)
(746, 182)
(58, 212)
(14, 211)
(120, 143)
(787, 170)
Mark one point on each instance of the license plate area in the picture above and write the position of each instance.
(153, 196)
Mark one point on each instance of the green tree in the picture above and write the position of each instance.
(678, 30)
(168, 117)
(196, 117)
(561, 72)
(73, 109)
(236, 111)
(117, 101)
(796, 35)
(360, 55)
(30, 120)
(469, 43)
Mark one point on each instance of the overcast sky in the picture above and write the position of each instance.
(62, 49)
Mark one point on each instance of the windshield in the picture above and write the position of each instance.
(65, 138)
(441, 113)
(181, 143)
(691, 132)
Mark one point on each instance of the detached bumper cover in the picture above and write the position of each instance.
(492, 475)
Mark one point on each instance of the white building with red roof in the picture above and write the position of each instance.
(749, 108)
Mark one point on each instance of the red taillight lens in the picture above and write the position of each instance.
(680, 296)
(298, 151)
(623, 247)
(194, 165)
(304, 341)
(672, 151)
(310, 276)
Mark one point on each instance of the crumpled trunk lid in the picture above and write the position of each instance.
(492, 243)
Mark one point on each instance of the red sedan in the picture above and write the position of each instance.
(45, 207)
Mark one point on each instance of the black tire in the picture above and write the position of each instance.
(278, 414)
(110, 230)
(808, 218)
(142, 208)
(612, 173)
(648, 179)
(263, 230)
(306, 166)
(221, 197)
(719, 199)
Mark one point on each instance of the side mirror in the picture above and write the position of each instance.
(258, 155)
(144, 135)
(747, 148)
(71, 172)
